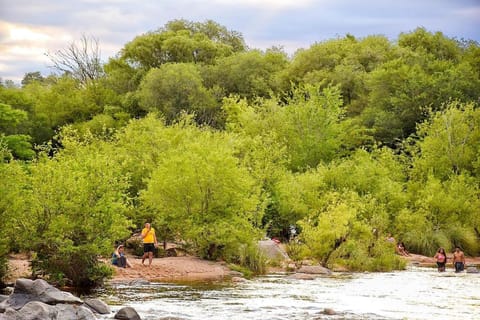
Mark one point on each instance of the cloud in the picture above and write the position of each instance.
(28, 29)
(267, 4)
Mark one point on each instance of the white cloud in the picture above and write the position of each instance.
(267, 4)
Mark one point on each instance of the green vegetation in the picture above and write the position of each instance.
(219, 145)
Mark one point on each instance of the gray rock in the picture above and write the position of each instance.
(9, 314)
(127, 313)
(301, 276)
(27, 290)
(97, 306)
(74, 312)
(3, 297)
(472, 270)
(23, 286)
(139, 282)
(35, 310)
(315, 270)
(51, 295)
(16, 301)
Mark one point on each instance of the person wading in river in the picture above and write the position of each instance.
(458, 260)
(149, 243)
(441, 259)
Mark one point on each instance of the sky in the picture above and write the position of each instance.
(31, 28)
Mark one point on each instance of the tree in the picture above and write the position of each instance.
(73, 210)
(181, 41)
(175, 88)
(81, 61)
(31, 77)
(247, 74)
(201, 194)
(449, 143)
(13, 177)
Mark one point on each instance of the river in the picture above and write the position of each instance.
(416, 293)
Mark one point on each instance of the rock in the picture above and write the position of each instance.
(127, 313)
(69, 311)
(315, 270)
(23, 285)
(301, 276)
(27, 290)
(9, 314)
(16, 301)
(139, 282)
(272, 250)
(3, 297)
(97, 306)
(472, 270)
(329, 312)
(38, 310)
(238, 279)
(234, 274)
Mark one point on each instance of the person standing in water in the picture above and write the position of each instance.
(458, 260)
(149, 243)
(441, 259)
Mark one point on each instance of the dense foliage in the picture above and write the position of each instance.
(219, 145)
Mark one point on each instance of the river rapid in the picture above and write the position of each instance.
(416, 293)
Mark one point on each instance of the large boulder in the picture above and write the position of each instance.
(34, 310)
(127, 313)
(69, 311)
(27, 290)
(39, 300)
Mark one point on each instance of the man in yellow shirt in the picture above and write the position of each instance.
(149, 243)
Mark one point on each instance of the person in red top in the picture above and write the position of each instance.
(441, 259)
(149, 243)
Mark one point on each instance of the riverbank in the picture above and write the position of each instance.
(172, 269)
(185, 268)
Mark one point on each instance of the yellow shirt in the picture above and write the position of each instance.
(150, 236)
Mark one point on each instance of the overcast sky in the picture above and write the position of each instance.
(30, 28)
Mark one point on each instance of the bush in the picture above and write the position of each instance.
(252, 258)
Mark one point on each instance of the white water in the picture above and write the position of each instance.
(417, 293)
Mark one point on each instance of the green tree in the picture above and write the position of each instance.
(72, 212)
(246, 74)
(13, 176)
(175, 88)
(200, 193)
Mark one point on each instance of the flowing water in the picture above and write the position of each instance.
(416, 293)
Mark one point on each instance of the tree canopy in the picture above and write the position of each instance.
(219, 145)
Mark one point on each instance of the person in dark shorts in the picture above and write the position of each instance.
(149, 243)
(458, 260)
(441, 259)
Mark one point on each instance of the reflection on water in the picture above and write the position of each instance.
(417, 293)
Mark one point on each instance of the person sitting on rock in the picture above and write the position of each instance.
(119, 259)
(401, 249)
